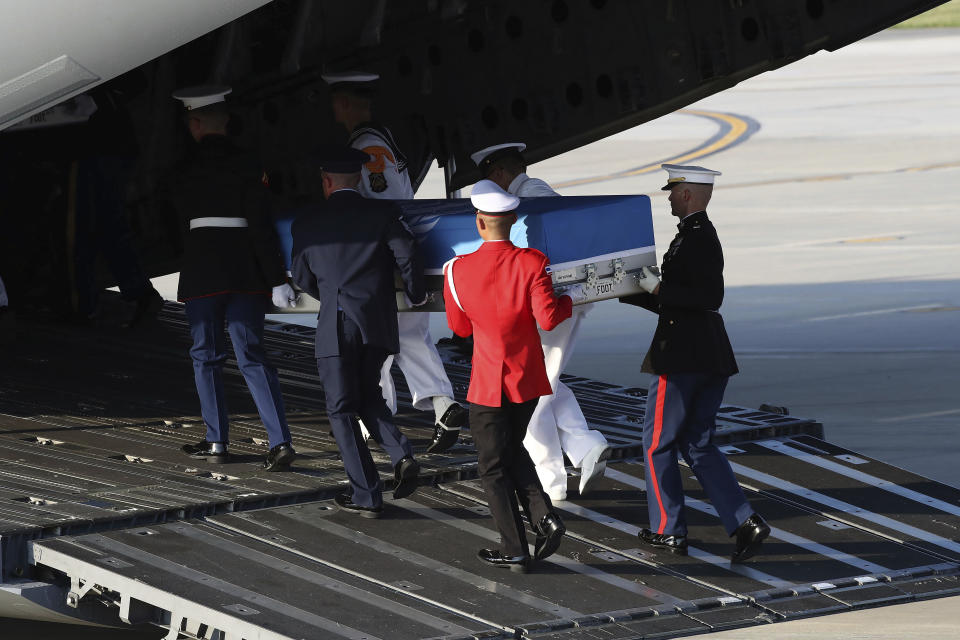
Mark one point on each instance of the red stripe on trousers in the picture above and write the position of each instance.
(657, 430)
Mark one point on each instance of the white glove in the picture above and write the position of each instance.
(413, 305)
(576, 292)
(648, 279)
(284, 297)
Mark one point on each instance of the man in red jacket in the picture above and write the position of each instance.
(498, 294)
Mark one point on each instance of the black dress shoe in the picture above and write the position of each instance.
(750, 536)
(215, 452)
(145, 308)
(672, 543)
(550, 532)
(517, 564)
(345, 502)
(405, 477)
(447, 431)
(443, 439)
(279, 457)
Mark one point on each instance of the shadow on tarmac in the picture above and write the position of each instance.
(11, 628)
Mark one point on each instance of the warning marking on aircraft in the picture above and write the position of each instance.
(734, 129)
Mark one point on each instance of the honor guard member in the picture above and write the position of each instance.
(344, 254)
(498, 294)
(691, 360)
(505, 165)
(558, 425)
(232, 266)
(386, 176)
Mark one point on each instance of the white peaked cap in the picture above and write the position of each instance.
(488, 197)
(353, 77)
(677, 173)
(483, 154)
(202, 95)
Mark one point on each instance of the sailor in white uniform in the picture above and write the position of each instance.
(386, 176)
(558, 425)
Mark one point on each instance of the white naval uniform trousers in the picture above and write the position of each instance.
(558, 425)
(418, 358)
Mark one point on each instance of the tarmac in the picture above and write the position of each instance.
(839, 225)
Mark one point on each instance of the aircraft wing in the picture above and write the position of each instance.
(54, 50)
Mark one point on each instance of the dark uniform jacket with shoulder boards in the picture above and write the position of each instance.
(221, 181)
(690, 336)
(344, 254)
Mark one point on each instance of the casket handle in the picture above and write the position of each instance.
(591, 269)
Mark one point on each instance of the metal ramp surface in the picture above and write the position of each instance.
(92, 421)
(312, 571)
(97, 501)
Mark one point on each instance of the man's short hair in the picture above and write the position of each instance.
(511, 163)
(698, 189)
(347, 180)
(358, 93)
(214, 116)
(498, 222)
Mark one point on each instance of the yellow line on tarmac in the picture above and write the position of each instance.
(841, 176)
(738, 127)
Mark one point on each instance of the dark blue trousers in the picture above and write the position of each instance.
(351, 386)
(681, 418)
(243, 315)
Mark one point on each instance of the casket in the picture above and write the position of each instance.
(599, 241)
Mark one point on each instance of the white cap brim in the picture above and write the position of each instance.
(479, 156)
(352, 77)
(201, 96)
(689, 174)
(488, 197)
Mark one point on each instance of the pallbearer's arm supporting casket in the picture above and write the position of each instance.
(597, 241)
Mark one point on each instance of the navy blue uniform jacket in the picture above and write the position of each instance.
(344, 253)
(690, 336)
(223, 181)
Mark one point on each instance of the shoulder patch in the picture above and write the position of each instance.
(378, 182)
(379, 155)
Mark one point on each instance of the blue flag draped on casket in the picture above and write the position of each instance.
(572, 231)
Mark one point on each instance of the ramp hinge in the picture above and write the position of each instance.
(618, 272)
(78, 589)
(591, 269)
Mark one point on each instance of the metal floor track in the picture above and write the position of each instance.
(98, 503)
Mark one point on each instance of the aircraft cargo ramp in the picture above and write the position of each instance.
(102, 518)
